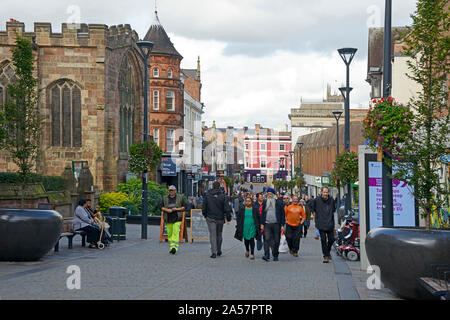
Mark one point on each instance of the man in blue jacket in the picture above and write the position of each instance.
(272, 222)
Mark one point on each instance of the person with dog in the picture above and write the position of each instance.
(172, 207)
(324, 208)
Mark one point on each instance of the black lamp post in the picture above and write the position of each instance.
(286, 157)
(347, 55)
(337, 115)
(386, 171)
(145, 47)
(291, 153)
(300, 145)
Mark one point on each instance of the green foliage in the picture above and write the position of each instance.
(131, 207)
(133, 189)
(21, 121)
(345, 168)
(387, 125)
(112, 199)
(50, 183)
(144, 156)
(427, 44)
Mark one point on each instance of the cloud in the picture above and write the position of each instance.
(258, 57)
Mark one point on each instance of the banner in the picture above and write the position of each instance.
(404, 207)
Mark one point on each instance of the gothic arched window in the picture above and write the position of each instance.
(65, 110)
(128, 100)
(7, 76)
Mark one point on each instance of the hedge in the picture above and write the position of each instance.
(51, 183)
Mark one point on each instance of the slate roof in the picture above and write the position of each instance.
(160, 39)
(191, 73)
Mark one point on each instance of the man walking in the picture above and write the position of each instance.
(215, 209)
(295, 216)
(172, 206)
(324, 208)
(272, 221)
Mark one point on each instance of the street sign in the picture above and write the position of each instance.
(445, 158)
(168, 167)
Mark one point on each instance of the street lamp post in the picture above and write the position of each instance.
(291, 153)
(347, 55)
(386, 171)
(300, 145)
(145, 47)
(286, 157)
(337, 115)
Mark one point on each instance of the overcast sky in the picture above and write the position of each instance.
(258, 57)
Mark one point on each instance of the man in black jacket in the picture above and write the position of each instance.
(215, 209)
(324, 208)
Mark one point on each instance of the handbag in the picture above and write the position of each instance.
(283, 248)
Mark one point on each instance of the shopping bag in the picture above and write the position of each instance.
(283, 244)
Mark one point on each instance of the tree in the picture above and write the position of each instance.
(21, 120)
(427, 44)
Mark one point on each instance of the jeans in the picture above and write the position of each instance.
(326, 239)
(293, 234)
(272, 235)
(215, 228)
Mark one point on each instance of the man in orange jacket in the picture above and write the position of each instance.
(295, 216)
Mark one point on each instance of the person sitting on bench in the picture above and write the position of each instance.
(82, 221)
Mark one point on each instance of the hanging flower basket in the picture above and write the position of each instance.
(345, 168)
(387, 125)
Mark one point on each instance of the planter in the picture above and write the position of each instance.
(28, 234)
(405, 254)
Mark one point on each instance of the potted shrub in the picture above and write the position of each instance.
(414, 145)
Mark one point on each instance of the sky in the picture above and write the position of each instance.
(259, 58)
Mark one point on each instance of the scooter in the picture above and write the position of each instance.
(347, 243)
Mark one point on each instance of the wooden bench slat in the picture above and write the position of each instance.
(434, 286)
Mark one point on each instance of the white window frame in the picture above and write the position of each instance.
(171, 138)
(156, 135)
(282, 147)
(172, 108)
(155, 99)
(265, 147)
(155, 72)
(170, 73)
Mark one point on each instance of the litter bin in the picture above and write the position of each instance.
(119, 218)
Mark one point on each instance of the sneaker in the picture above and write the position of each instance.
(295, 254)
(266, 258)
(325, 260)
(291, 252)
(275, 258)
(252, 257)
(213, 256)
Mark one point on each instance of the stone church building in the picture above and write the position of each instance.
(91, 81)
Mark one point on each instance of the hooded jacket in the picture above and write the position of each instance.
(216, 206)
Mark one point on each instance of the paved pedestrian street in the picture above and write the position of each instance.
(143, 269)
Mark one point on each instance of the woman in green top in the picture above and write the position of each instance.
(247, 226)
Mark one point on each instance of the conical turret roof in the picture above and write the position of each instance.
(160, 39)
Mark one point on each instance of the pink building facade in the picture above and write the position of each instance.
(264, 155)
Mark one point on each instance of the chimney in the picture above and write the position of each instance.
(198, 69)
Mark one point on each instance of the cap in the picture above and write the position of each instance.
(172, 187)
(271, 190)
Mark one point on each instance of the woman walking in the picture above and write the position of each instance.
(248, 220)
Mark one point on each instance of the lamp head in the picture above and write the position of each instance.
(145, 47)
(347, 54)
(337, 114)
(343, 91)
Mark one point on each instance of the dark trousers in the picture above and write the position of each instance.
(215, 228)
(250, 245)
(305, 229)
(326, 239)
(272, 235)
(293, 234)
(92, 234)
